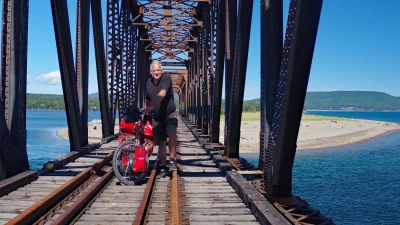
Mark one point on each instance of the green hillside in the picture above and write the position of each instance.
(336, 100)
(55, 102)
(357, 100)
(349, 100)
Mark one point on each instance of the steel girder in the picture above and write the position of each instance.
(68, 76)
(238, 81)
(219, 71)
(114, 58)
(13, 153)
(127, 48)
(166, 31)
(82, 64)
(271, 54)
(101, 66)
(204, 72)
(123, 49)
(295, 68)
(230, 26)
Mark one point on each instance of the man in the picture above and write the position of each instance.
(160, 100)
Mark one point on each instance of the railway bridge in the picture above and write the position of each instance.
(203, 46)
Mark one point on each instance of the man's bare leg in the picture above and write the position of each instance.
(172, 144)
(162, 151)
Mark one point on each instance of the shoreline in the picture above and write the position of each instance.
(313, 135)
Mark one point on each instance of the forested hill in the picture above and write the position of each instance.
(350, 100)
(336, 100)
(54, 102)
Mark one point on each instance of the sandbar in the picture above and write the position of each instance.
(312, 134)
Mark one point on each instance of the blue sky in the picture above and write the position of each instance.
(357, 48)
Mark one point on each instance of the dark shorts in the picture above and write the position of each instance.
(161, 128)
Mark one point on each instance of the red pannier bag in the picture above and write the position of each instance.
(148, 136)
(127, 131)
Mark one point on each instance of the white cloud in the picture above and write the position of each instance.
(52, 78)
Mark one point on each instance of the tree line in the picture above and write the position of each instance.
(54, 102)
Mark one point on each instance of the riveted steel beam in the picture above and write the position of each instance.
(238, 82)
(219, 71)
(297, 56)
(67, 70)
(230, 32)
(101, 67)
(82, 65)
(13, 88)
(271, 54)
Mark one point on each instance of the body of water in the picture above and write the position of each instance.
(353, 185)
(356, 184)
(43, 144)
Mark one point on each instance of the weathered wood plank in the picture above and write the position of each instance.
(10, 184)
(264, 211)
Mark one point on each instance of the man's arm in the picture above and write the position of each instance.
(160, 97)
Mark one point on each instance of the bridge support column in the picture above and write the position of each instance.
(219, 72)
(271, 54)
(293, 79)
(67, 70)
(13, 153)
(230, 26)
(238, 82)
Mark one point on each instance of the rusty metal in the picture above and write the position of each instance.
(176, 197)
(175, 206)
(33, 213)
(72, 214)
(166, 31)
(239, 163)
(143, 209)
(176, 201)
(63, 203)
(182, 35)
(299, 212)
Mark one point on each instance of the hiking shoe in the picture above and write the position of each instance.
(172, 165)
(163, 173)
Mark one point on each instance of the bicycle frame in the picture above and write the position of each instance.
(142, 134)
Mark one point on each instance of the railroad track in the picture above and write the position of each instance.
(80, 200)
(64, 205)
(86, 192)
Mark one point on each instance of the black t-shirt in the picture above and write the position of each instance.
(167, 105)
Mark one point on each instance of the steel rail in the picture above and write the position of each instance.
(77, 209)
(143, 209)
(175, 203)
(33, 213)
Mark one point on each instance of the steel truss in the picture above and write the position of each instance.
(199, 42)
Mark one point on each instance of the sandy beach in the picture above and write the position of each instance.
(312, 134)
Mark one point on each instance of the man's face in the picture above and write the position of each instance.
(156, 71)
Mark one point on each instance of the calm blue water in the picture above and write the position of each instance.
(357, 184)
(43, 142)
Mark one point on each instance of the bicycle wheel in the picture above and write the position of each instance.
(123, 161)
